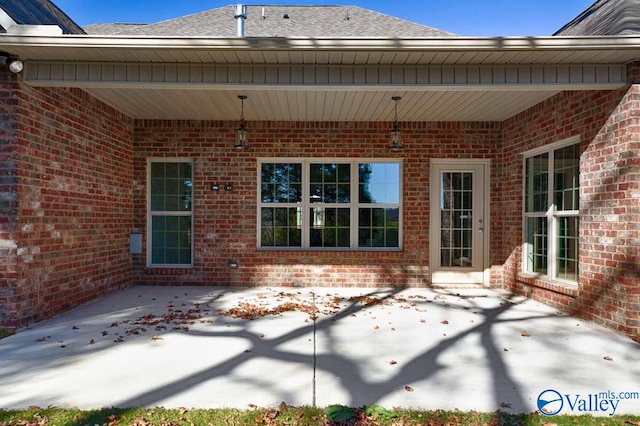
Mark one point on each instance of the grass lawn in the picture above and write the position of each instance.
(288, 415)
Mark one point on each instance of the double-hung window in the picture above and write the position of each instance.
(551, 212)
(319, 204)
(170, 213)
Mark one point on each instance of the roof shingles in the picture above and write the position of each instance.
(605, 17)
(282, 21)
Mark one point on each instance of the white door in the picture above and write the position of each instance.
(459, 231)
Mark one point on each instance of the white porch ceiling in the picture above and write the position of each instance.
(330, 105)
(303, 79)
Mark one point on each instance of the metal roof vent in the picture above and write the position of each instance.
(240, 14)
(285, 16)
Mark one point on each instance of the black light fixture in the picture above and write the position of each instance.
(241, 133)
(395, 144)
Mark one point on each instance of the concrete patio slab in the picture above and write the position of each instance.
(470, 349)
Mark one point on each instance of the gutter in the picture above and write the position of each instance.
(8, 41)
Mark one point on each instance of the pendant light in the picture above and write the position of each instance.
(241, 132)
(395, 144)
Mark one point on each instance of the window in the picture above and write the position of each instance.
(551, 212)
(170, 213)
(329, 204)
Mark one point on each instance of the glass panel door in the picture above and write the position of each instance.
(457, 233)
(456, 219)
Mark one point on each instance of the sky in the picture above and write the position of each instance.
(463, 17)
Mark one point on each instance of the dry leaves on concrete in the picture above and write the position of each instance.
(250, 311)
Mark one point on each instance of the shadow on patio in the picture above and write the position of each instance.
(183, 346)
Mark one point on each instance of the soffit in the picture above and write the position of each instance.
(320, 105)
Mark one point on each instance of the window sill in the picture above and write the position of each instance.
(168, 270)
(332, 250)
(547, 284)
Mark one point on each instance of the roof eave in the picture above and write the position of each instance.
(449, 50)
(329, 43)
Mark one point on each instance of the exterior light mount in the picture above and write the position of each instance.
(15, 64)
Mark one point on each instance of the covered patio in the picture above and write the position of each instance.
(514, 165)
(205, 347)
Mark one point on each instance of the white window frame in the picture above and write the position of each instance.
(550, 214)
(305, 205)
(151, 213)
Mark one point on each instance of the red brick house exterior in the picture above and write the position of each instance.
(74, 188)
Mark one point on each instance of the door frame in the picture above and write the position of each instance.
(436, 164)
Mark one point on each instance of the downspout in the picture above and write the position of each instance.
(240, 14)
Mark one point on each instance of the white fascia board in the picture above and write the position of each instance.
(6, 21)
(336, 44)
(41, 30)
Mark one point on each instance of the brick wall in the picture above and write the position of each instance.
(609, 129)
(8, 193)
(71, 203)
(225, 222)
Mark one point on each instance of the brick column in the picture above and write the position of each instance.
(610, 218)
(8, 197)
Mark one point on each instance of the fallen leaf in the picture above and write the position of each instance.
(91, 342)
(156, 337)
(506, 350)
(339, 413)
(270, 416)
(74, 328)
(283, 405)
(118, 340)
(444, 322)
(253, 406)
(505, 405)
(104, 333)
(608, 358)
(525, 333)
(423, 320)
(393, 362)
(408, 388)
